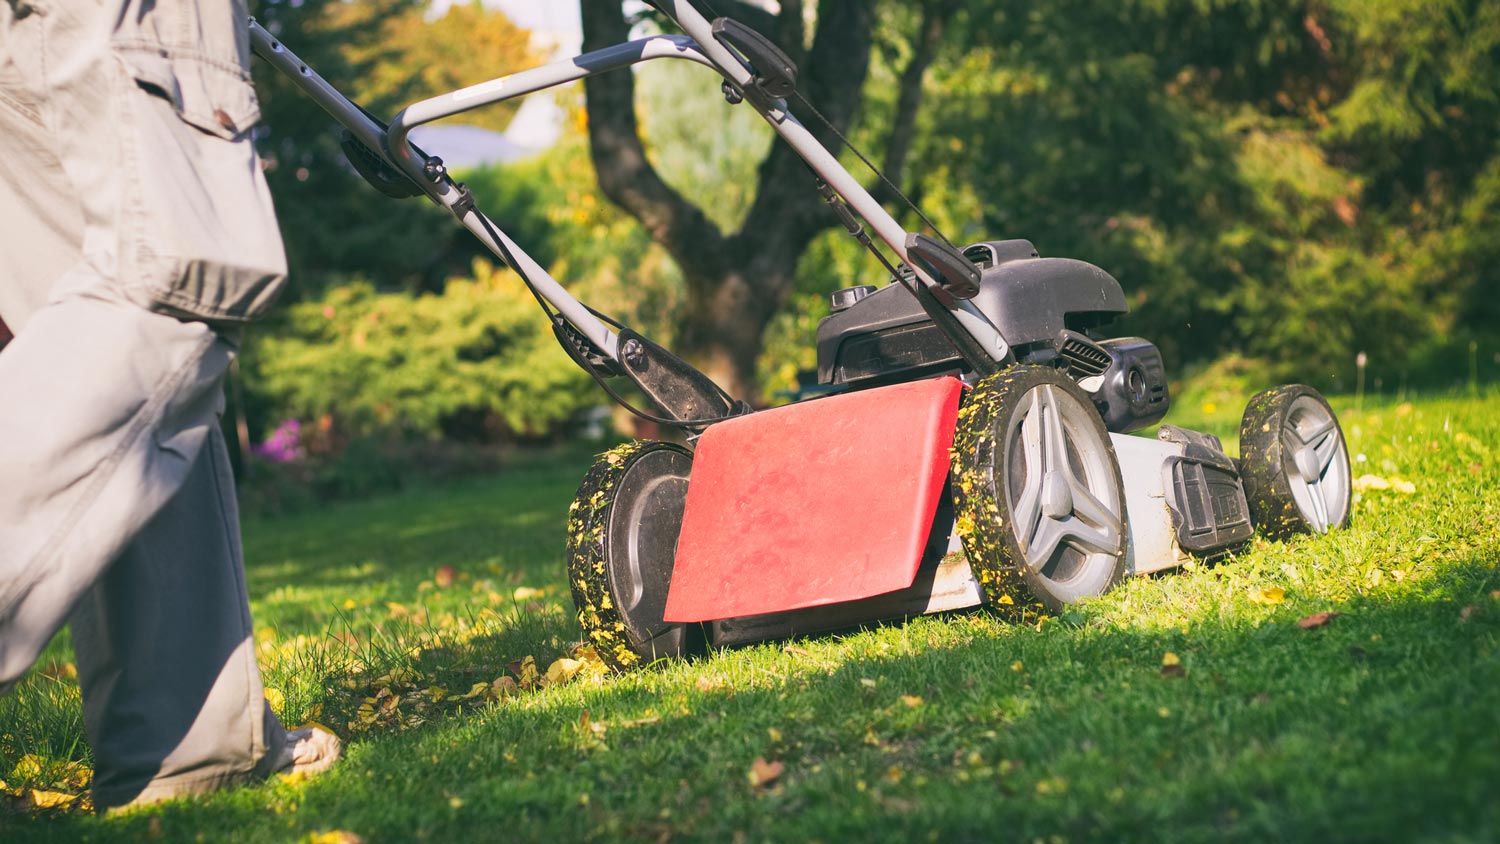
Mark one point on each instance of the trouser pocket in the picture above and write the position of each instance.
(202, 239)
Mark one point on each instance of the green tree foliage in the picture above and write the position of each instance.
(467, 45)
(1292, 180)
(474, 362)
(384, 54)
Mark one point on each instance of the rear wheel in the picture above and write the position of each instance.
(1294, 463)
(622, 540)
(1037, 492)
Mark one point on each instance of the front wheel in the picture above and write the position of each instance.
(1294, 463)
(622, 541)
(1039, 502)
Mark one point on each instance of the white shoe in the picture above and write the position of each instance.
(308, 751)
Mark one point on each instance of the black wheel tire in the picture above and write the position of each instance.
(986, 480)
(622, 538)
(1279, 496)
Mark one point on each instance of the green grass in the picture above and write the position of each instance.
(1381, 726)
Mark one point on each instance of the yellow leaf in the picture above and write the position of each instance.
(50, 799)
(526, 593)
(475, 691)
(1369, 482)
(1017, 665)
(332, 836)
(774, 733)
(275, 698)
(28, 767)
(1273, 595)
(1170, 658)
(563, 670)
(525, 671)
(912, 701)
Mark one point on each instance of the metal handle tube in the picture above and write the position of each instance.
(537, 79)
(339, 107)
(442, 190)
(828, 167)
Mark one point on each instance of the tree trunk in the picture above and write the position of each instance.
(738, 282)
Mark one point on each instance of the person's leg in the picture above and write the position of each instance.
(173, 702)
(107, 490)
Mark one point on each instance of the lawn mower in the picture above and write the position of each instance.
(974, 447)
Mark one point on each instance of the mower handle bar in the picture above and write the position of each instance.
(698, 46)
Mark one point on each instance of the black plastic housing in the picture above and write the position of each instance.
(1204, 493)
(887, 336)
(1134, 391)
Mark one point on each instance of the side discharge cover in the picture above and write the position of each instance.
(815, 503)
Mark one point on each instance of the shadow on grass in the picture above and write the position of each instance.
(1380, 726)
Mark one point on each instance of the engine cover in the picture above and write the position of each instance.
(885, 336)
(1132, 392)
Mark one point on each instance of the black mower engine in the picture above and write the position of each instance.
(1048, 309)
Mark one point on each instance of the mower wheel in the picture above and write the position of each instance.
(1040, 507)
(622, 540)
(1294, 463)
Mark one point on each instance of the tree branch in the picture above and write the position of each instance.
(625, 174)
(935, 17)
(787, 212)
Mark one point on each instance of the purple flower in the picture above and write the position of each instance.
(282, 445)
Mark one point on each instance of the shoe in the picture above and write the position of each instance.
(308, 751)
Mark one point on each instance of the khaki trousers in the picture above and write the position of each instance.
(132, 240)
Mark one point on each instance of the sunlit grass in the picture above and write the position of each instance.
(1380, 725)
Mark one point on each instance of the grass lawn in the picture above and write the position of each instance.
(392, 620)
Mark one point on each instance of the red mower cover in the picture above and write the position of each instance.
(814, 503)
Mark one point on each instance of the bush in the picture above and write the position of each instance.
(477, 363)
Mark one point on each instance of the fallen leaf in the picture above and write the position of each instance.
(525, 671)
(1017, 665)
(28, 767)
(50, 799)
(1369, 482)
(505, 686)
(912, 701)
(275, 698)
(445, 576)
(1468, 612)
(793, 649)
(563, 670)
(524, 593)
(763, 773)
(1317, 619)
(332, 836)
(1273, 595)
(60, 670)
(1171, 666)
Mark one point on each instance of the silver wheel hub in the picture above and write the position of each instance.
(1317, 468)
(1062, 490)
